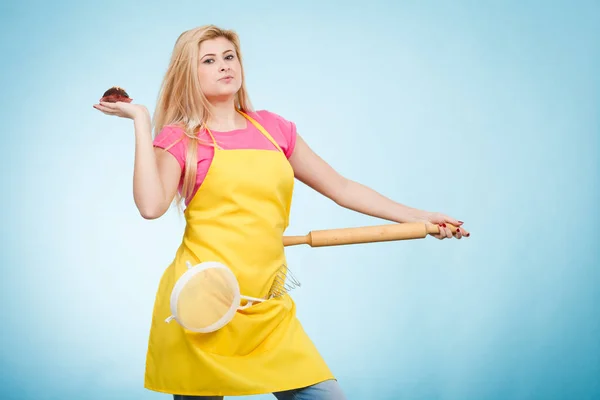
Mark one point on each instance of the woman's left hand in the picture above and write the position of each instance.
(442, 220)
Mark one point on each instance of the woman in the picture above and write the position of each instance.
(234, 168)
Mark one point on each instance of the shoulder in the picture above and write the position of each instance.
(172, 138)
(268, 116)
(282, 129)
(169, 135)
(272, 121)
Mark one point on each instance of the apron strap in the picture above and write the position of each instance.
(211, 136)
(260, 128)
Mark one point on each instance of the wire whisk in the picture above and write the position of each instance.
(283, 283)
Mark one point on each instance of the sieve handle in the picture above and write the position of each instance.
(367, 234)
(251, 301)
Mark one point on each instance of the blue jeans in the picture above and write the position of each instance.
(327, 390)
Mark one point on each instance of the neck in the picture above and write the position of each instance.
(224, 116)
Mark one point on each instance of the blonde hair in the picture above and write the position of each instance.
(181, 101)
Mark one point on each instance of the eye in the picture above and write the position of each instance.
(229, 57)
(208, 61)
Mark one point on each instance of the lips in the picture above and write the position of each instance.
(226, 77)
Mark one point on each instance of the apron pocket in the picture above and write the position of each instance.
(253, 330)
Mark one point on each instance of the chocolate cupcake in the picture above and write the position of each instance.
(115, 94)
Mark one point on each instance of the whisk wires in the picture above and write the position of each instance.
(283, 283)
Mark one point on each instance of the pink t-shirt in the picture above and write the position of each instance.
(280, 129)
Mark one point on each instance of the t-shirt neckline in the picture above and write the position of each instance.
(234, 131)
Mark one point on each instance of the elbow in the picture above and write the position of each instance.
(150, 213)
(150, 216)
(339, 193)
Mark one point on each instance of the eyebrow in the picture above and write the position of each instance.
(210, 54)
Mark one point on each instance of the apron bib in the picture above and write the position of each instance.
(237, 217)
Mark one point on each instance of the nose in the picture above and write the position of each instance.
(224, 67)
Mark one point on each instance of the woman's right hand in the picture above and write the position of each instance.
(122, 109)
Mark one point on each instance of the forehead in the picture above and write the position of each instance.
(215, 46)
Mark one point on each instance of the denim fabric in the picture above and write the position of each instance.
(327, 390)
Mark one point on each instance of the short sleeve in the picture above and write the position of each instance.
(171, 139)
(286, 128)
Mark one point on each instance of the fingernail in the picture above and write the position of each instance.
(460, 222)
(457, 229)
(468, 234)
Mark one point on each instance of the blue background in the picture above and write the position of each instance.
(487, 111)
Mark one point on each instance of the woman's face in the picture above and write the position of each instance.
(219, 69)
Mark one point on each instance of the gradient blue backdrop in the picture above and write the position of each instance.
(487, 111)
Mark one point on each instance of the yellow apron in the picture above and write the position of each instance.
(237, 217)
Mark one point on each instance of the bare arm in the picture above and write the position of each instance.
(156, 173)
(313, 171)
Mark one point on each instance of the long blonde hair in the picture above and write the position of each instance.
(181, 101)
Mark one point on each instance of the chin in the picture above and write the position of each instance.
(222, 94)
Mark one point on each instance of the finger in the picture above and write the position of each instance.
(110, 105)
(102, 108)
(442, 234)
(458, 233)
(448, 232)
(105, 110)
(464, 232)
(452, 221)
(458, 225)
(445, 231)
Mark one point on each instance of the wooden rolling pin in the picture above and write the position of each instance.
(367, 234)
